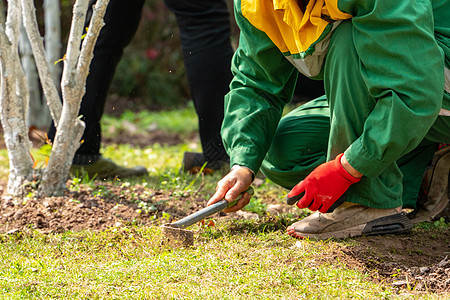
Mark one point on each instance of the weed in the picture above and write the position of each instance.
(80, 180)
(102, 191)
(438, 224)
(257, 206)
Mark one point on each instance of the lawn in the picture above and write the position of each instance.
(103, 239)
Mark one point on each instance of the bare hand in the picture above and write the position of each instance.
(234, 183)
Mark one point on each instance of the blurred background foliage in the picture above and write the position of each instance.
(151, 73)
(151, 70)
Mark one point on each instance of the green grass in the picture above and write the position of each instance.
(248, 259)
(132, 263)
(182, 121)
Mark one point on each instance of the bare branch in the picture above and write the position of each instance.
(13, 22)
(87, 51)
(74, 43)
(45, 74)
(52, 11)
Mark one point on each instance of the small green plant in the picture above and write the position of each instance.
(197, 176)
(146, 207)
(79, 180)
(42, 156)
(102, 191)
(441, 223)
(257, 206)
(438, 224)
(165, 216)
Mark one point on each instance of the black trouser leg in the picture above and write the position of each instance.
(121, 23)
(205, 36)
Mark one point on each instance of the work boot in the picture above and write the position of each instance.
(434, 196)
(351, 220)
(105, 168)
(193, 163)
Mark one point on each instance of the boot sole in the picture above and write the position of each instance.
(393, 224)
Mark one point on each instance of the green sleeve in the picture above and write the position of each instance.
(263, 83)
(403, 68)
(441, 13)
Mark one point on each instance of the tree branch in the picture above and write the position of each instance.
(45, 74)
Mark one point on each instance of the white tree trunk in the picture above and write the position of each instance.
(39, 114)
(13, 102)
(14, 92)
(37, 45)
(76, 68)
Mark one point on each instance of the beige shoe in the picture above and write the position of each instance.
(434, 202)
(351, 220)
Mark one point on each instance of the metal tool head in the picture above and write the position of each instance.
(177, 237)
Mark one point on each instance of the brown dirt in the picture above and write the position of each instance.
(106, 205)
(139, 140)
(415, 263)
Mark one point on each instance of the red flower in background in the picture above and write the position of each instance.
(152, 53)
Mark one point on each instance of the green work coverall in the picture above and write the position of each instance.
(385, 66)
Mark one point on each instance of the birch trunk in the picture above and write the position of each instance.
(76, 68)
(14, 93)
(13, 102)
(45, 75)
(39, 114)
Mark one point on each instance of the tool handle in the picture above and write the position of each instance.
(207, 211)
(201, 214)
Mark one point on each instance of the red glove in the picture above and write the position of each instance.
(323, 187)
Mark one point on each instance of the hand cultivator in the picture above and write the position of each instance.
(176, 234)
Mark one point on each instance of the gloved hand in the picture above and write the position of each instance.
(322, 187)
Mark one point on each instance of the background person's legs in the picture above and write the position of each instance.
(205, 37)
(121, 23)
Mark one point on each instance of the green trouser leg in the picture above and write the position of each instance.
(301, 141)
(299, 144)
(440, 132)
(413, 166)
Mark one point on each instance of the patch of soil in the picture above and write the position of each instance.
(130, 137)
(419, 261)
(106, 205)
(414, 263)
(117, 105)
